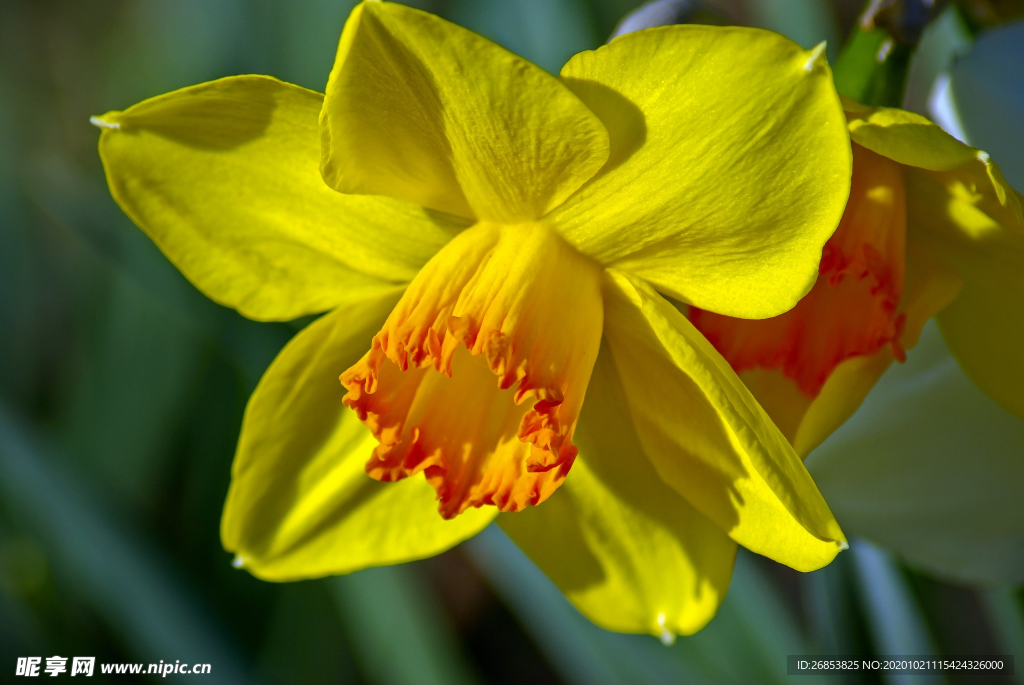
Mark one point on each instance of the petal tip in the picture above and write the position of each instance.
(102, 122)
(814, 56)
(666, 636)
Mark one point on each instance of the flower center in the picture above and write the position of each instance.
(478, 375)
(852, 309)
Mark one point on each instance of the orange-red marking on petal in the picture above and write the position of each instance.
(478, 376)
(852, 309)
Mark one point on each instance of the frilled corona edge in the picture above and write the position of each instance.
(512, 302)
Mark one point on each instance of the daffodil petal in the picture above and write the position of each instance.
(730, 165)
(425, 111)
(839, 398)
(627, 550)
(224, 178)
(908, 138)
(930, 285)
(914, 141)
(984, 326)
(300, 503)
(779, 396)
(959, 216)
(706, 435)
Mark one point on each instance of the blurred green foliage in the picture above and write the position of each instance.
(122, 390)
(872, 69)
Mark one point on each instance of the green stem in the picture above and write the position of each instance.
(872, 68)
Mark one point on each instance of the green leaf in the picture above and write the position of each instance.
(1006, 616)
(121, 579)
(742, 644)
(896, 621)
(872, 68)
(305, 641)
(134, 379)
(401, 635)
(753, 631)
(832, 608)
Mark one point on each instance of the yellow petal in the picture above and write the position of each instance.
(707, 436)
(779, 396)
(425, 111)
(300, 503)
(931, 285)
(730, 165)
(626, 549)
(224, 178)
(970, 218)
(973, 177)
(908, 138)
(840, 397)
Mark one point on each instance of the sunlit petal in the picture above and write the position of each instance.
(729, 166)
(425, 111)
(630, 552)
(224, 178)
(300, 503)
(707, 436)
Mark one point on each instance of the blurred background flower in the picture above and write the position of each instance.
(122, 389)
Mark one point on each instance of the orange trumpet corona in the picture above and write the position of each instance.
(478, 376)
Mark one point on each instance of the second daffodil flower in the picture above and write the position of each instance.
(931, 228)
(493, 242)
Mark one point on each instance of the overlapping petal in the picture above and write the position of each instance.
(916, 142)
(907, 138)
(963, 263)
(851, 310)
(839, 398)
(301, 504)
(236, 201)
(628, 551)
(716, 135)
(970, 218)
(707, 436)
(426, 111)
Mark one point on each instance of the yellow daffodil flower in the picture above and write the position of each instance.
(931, 228)
(493, 242)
